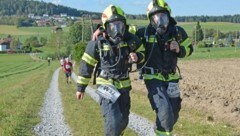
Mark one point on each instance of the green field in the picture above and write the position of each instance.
(224, 27)
(23, 83)
(12, 65)
(190, 26)
(215, 53)
(25, 32)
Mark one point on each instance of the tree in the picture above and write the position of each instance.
(32, 41)
(230, 41)
(209, 33)
(57, 40)
(198, 33)
(14, 44)
(75, 33)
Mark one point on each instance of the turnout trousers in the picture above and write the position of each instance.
(116, 115)
(166, 108)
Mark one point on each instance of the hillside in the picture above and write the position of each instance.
(25, 7)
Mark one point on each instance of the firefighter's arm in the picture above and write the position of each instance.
(100, 31)
(185, 44)
(87, 64)
(174, 46)
(137, 54)
(139, 49)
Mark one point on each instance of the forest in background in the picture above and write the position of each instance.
(21, 8)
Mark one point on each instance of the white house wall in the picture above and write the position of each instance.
(3, 47)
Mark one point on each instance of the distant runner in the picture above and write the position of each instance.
(68, 69)
(49, 61)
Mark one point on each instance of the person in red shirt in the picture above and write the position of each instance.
(68, 69)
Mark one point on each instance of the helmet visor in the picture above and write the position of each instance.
(160, 20)
(115, 29)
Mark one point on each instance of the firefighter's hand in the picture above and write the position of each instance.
(96, 34)
(174, 46)
(133, 58)
(80, 95)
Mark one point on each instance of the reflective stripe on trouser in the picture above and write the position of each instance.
(159, 133)
(126, 83)
(166, 108)
(116, 115)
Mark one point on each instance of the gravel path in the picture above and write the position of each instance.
(52, 112)
(53, 120)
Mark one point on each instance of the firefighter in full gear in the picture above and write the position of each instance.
(111, 57)
(164, 43)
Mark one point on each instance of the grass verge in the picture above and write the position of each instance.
(21, 97)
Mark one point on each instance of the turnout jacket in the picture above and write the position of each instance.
(110, 61)
(161, 63)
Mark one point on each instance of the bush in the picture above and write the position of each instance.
(201, 44)
(37, 51)
(53, 55)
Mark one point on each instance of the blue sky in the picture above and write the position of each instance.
(179, 7)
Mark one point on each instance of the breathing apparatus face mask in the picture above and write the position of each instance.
(115, 31)
(160, 22)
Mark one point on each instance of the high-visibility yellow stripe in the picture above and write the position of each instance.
(132, 29)
(106, 47)
(161, 77)
(122, 84)
(143, 57)
(161, 3)
(160, 133)
(100, 81)
(123, 45)
(83, 80)
(186, 43)
(118, 84)
(119, 11)
(140, 48)
(89, 59)
(152, 39)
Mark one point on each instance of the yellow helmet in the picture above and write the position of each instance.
(157, 6)
(113, 13)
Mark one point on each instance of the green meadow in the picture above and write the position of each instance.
(215, 53)
(23, 82)
(190, 26)
(25, 32)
